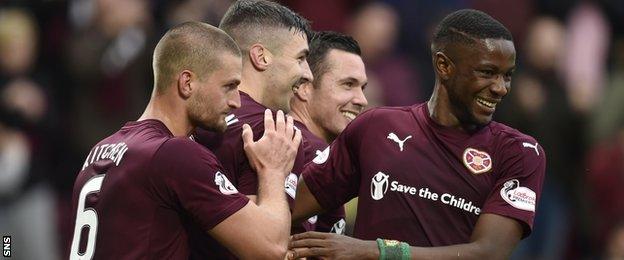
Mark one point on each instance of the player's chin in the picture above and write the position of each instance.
(481, 119)
(218, 126)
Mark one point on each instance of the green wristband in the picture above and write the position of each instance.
(393, 250)
(382, 249)
(406, 253)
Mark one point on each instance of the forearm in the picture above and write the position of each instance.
(306, 204)
(472, 250)
(271, 200)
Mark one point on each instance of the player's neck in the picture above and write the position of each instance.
(173, 116)
(319, 132)
(252, 85)
(440, 109)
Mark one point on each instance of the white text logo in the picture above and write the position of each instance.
(291, 185)
(519, 197)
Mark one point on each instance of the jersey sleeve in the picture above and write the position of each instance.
(333, 177)
(189, 178)
(518, 189)
(332, 221)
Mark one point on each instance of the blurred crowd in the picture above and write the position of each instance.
(73, 71)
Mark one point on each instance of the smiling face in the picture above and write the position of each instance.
(288, 69)
(216, 95)
(337, 97)
(479, 79)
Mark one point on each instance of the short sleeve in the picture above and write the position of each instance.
(518, 189)
(332, 221)
(333, 177)
(189, 178)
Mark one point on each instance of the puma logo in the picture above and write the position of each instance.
(394, 137)
(530, 145)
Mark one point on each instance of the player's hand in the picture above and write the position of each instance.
(277, 148)
(330, 246)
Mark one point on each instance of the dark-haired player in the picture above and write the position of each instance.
(441, 180)
(142, 190)
(274, 43)
(323, 108)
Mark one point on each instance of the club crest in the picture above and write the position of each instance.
(476, 161)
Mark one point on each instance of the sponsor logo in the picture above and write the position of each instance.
(321, 157)
(339, 227)
(477, 161)
(225, 186)
(291, 185)
(518, 197)
(6, 246)
(395, 138)
(379, 185)
(532, 146)
(381, 181)
(312, 220)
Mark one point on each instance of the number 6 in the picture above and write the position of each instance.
(86, 218)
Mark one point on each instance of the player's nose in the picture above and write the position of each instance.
(500, 87)
(359, 97)
(307, 73)
(233, 100)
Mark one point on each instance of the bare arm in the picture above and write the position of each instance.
(306, 204)
(494, 237)
(261, 230)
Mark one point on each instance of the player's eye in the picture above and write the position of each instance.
(508, 75)
(486, 73)
(231, 86)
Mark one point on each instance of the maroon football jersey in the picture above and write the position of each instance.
(228, 147)
(332, 220)
(424, 183)
(141, 189)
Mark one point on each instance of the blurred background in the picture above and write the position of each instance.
(73, 71)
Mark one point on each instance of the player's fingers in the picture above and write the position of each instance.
(310, 234)
(269, 124)
(280, 122)
(247, 135)
(297, 138)
(309, 252)
(290, 127)
(308, 242)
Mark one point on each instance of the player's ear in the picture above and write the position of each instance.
(443, 65)
(304, 91)
(185, 86)
(260, 57)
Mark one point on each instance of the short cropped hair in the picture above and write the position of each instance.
(466, 26)
(323, 42)
(194, 46)
(253, 21)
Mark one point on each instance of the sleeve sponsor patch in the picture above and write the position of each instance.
(225, 186)
(518, 197)
(291, 185)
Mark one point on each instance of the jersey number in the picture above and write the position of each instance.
(86, 218)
